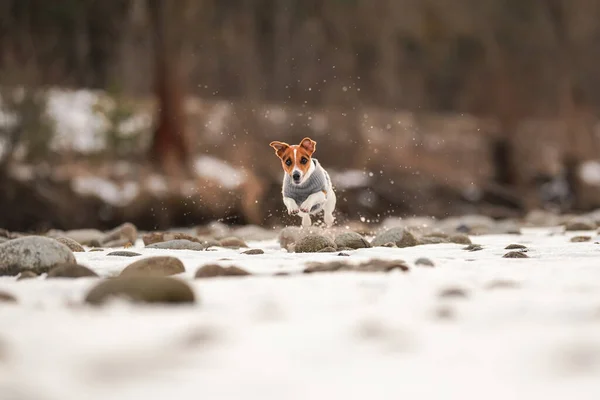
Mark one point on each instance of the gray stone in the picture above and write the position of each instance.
(177, 244)
(580, 239)
(424, 262)
(515, 246)
(215, 270)
(142, 289)
(71, 271)
(313, 244)
(460, 239)
(515, 254)
(232, 242)
(35, 253)
(580, 224)
(351, 240)
(27, 275)
(399, 236)
(154, 266)
(126, 232)
(7, 297)
(254, 252)
(123, 253)
(83, 236)
(71, 244)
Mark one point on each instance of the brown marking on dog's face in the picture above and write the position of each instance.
(295, 159)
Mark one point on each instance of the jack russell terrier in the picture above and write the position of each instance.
(307, 188)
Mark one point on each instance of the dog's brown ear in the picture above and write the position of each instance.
(279, 147)
(309, 145)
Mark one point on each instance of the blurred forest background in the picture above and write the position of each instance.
(160, 112)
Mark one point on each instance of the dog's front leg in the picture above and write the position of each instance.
(291, 206)
(310, 202)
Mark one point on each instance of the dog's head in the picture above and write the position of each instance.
(296, 159)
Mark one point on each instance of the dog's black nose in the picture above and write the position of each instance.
(296, 176)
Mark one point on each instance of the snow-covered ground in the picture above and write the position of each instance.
(340, 335)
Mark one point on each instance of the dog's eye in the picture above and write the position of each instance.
(303, 160)
(288, 162)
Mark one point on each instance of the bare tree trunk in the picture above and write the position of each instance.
(170, 149)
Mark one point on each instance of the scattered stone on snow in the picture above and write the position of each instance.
(254, 252)
(351, 240)
(515, 254)
(154, 266)
(424, 262)
(123, 253)
(71, 244)
(70, 271)
(178, 244)
(35, 253)
(142, 289)
(313, 244)
(215, 270)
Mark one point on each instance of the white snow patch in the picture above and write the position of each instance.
(213, 168)
(77, 127)
(590, 172)
(110, 192)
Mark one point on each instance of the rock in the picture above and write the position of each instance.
(7, 298)
(232, 242)
(515, 254)
(83, 236)
(158, 237)
(290, 235)
(343, 254)
(542, 218)
(313, 244)
(453, 293)
(71, 271)
(327, 250)
(502, 284)
(333, 266)
(580, 224)
(473, 247)
(351, 240)
(389, 244)
(254, 252)
(460, 239)
(214, 270)
(374, 265)
(35, 253)
(154, 266)
(580, 239)
(424, 262)
(433, 240)
(27, 275)
(126, 232)
(123, 253)
(142, 289)
(117, 243)
(515, 246)
(95, 249)
(399, 236)
(71, 244)
(177, 244)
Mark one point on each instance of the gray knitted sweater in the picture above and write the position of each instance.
(317, 181)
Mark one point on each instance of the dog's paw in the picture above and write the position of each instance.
(305, 207)
(293, 211)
